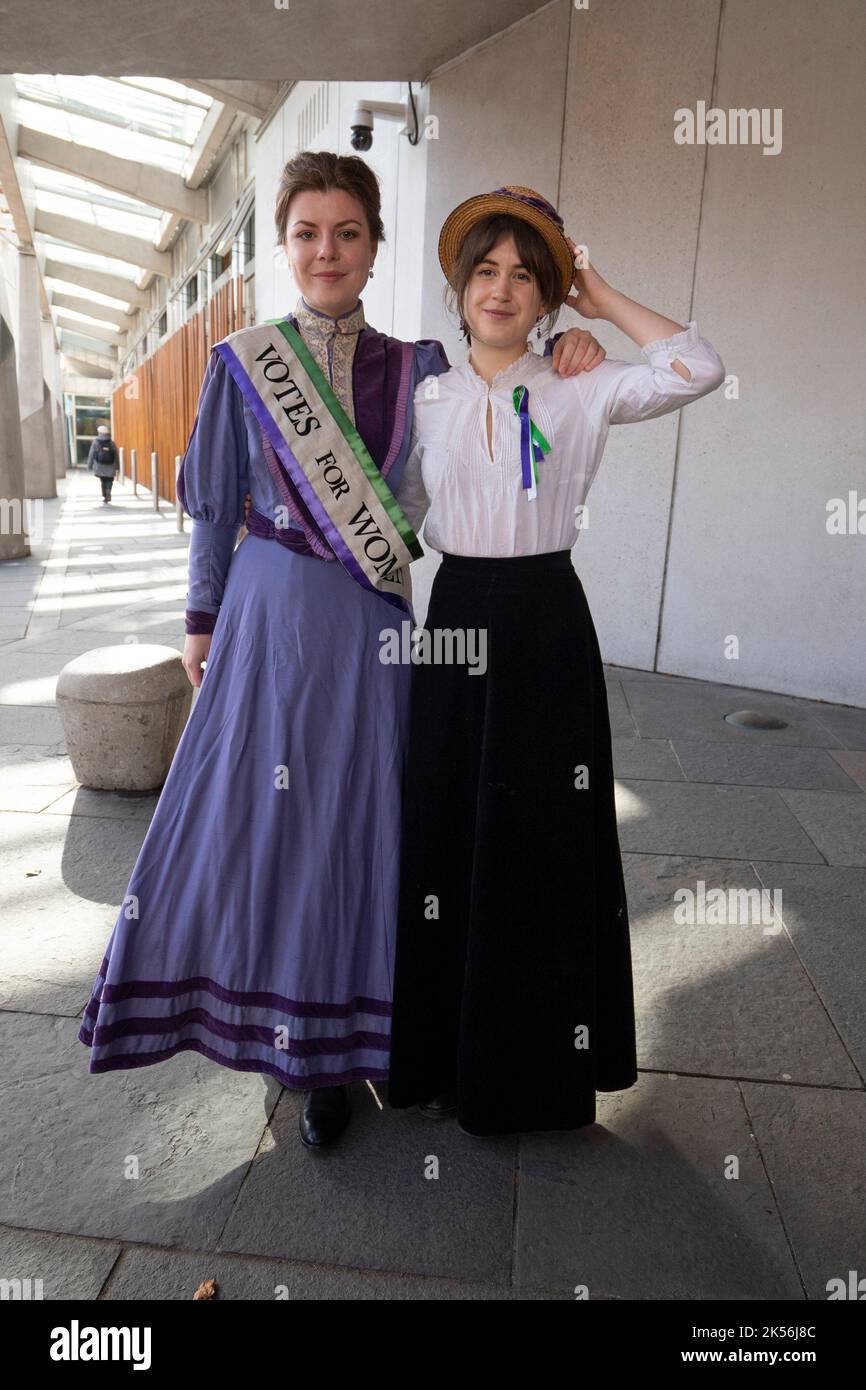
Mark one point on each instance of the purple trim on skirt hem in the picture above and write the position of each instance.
(306, 1083)
(167, 989)
(142, 1025)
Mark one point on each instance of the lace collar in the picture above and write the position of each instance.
(314, 321)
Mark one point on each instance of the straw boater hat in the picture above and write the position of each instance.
(516, 201)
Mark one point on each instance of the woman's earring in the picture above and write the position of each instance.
(464, 329)
(371, 272)
(538, 321)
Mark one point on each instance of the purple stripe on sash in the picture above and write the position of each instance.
(298, 476)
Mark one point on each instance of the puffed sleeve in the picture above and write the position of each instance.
(430, 359)
(212, 482)
(621, 393)
(411, 495)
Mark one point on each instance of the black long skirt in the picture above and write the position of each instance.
(513, 980)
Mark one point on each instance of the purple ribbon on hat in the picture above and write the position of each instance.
(540, 203)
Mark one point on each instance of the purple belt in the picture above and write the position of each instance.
(290, 536)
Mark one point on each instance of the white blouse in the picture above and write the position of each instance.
(478, 506)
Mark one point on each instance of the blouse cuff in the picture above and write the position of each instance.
(663, 351)
(199, 623)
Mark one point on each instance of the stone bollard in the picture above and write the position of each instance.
(123, 710)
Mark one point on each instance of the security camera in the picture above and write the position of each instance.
(362, 128)
(362, 120)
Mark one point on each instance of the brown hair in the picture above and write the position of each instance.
(532, 249)
(320, 171)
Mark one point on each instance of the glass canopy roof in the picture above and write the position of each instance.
(147, 119)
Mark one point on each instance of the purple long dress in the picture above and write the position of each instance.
(259, 923)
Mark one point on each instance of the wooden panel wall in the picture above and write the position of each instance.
(155, 407)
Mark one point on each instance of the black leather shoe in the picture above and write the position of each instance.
(324, 1115)
(439, 1106)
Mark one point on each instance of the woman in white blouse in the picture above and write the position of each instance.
(513, 1000)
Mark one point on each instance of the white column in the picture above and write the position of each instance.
(13, 542)
(35, 403)
(51, 365)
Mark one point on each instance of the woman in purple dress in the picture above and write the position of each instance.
(259, 923)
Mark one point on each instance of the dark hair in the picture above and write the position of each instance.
(320, 171)
(534, 253)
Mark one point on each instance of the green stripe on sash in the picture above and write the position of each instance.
(352, 437)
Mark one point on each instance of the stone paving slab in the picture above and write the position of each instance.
(30, 765)
(142, 1273)
(825, 918)
(367, 1203)
(812, 1145)
(638, 1205)
(636, 758)
(32, 799)
(29, 678)
(28, 724)
(636, 673)
(90, 801)
(68, 1267)
(141, 619)
(847, 723)
(621, 723)
(16, 595)
(835, 821)
(13, 622)
(100, 610)
(72, 641)
(761, 765)
(698, 712)
(62, 881)
(725, 999)
(710, 821)
(192, 1126)
(853, 763)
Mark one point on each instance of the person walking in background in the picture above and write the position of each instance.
(102, 460)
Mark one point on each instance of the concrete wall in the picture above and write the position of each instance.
(710, 523)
